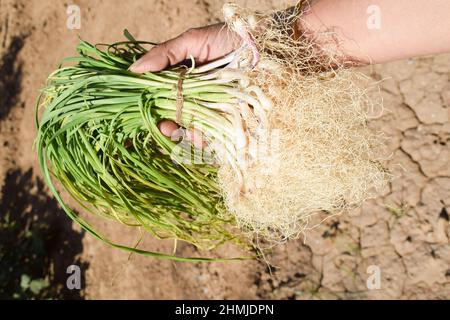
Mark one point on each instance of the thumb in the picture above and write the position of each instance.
(163, 55)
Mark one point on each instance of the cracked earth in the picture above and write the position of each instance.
(404, 232)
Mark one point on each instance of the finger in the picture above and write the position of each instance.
(171, 130)
(163, 55)
(203, 44)
(167, 127)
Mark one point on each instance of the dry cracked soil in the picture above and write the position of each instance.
(404, 232)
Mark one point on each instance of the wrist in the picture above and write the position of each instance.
(315, 25)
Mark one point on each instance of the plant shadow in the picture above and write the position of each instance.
(37, 242)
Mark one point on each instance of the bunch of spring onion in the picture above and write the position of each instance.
(98, 137)
(285, 124)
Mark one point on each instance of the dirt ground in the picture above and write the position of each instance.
(404, 232)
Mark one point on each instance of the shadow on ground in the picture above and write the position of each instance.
(37, 242)
(10, 76)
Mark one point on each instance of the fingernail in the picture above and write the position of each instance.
(177, 134)
(135, 66)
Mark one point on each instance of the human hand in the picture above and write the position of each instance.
(203, 44)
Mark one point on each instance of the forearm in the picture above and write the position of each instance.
(406, 28)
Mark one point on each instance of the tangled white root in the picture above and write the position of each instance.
(314, 151)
